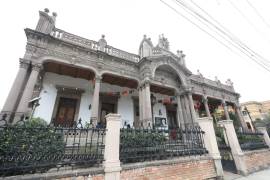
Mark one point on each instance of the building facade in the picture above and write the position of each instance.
(257, 110)
(76, 78)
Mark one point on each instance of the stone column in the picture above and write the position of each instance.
(210, 142)
(148, 108)
(140, 107)
(205, 103)
(240, 117)
(181, 122)
(143, 104)
(28, 91)
(95, 101)
(227, 116)
(192, 110)
(188, 112)
(265, 135)
(111, 163)
(182, 99)
(17, 87)
(236, 150)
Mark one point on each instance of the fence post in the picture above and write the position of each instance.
(265, 135)
(111, 164)
(236, 150)
(210, 142)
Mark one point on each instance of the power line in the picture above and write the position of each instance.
(252, 57)
(258, 13)
(195, 24)
(249, 22)
(232, 36)
(242, 49)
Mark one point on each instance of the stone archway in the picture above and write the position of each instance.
(172, 67)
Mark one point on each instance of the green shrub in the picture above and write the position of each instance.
(141, 139)
(30, 145)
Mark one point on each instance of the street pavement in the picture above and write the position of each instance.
(261, 175)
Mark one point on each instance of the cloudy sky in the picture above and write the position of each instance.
(124, 22)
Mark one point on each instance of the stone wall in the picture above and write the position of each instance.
(64, 174)
(257, 160)
(194, 168)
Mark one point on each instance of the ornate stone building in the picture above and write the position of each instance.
(80, 78)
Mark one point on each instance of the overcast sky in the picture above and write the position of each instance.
(124, 22)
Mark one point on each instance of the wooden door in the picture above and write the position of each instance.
(106, 108)
(66, 112)
(172, 121)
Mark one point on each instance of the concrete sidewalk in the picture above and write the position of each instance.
(261, 175)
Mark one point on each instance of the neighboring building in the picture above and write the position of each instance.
(266, 107)
(247, 119)
(257, 110)
(80, 78)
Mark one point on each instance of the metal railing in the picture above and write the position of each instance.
(251, 140)
(138, 145)
(32, 146)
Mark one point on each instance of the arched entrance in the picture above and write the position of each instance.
(164, 92)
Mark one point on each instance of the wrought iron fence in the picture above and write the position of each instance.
(32, 146)
(138, 145)
(251, 140)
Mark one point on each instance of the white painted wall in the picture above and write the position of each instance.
(125, 103)
(126, 109)
(48, 96)
(49, 93)
(84, 111)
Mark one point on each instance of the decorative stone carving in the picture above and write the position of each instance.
(36, 67)
(163, 42)
(229, 82)
(24, 63)
(199, 73)
(102, 43)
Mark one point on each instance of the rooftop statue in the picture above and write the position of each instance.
(163, 42)
(229, 82)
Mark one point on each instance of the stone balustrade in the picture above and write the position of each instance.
(210, 82)
(74, 39)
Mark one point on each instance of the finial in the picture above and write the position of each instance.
(144, 36)
(46, 10)
(54, 14)
(102, 36)
(229, 82)
(216, 79)
(199, 73)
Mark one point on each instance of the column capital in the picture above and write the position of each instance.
(187, 90)
(237, 105)
(178, 94)
(205, 99)
(24, 63)
(223, 102)
(145, 82)
(36, 67)
(98, 78)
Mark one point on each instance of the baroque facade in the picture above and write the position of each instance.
(79, 78)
